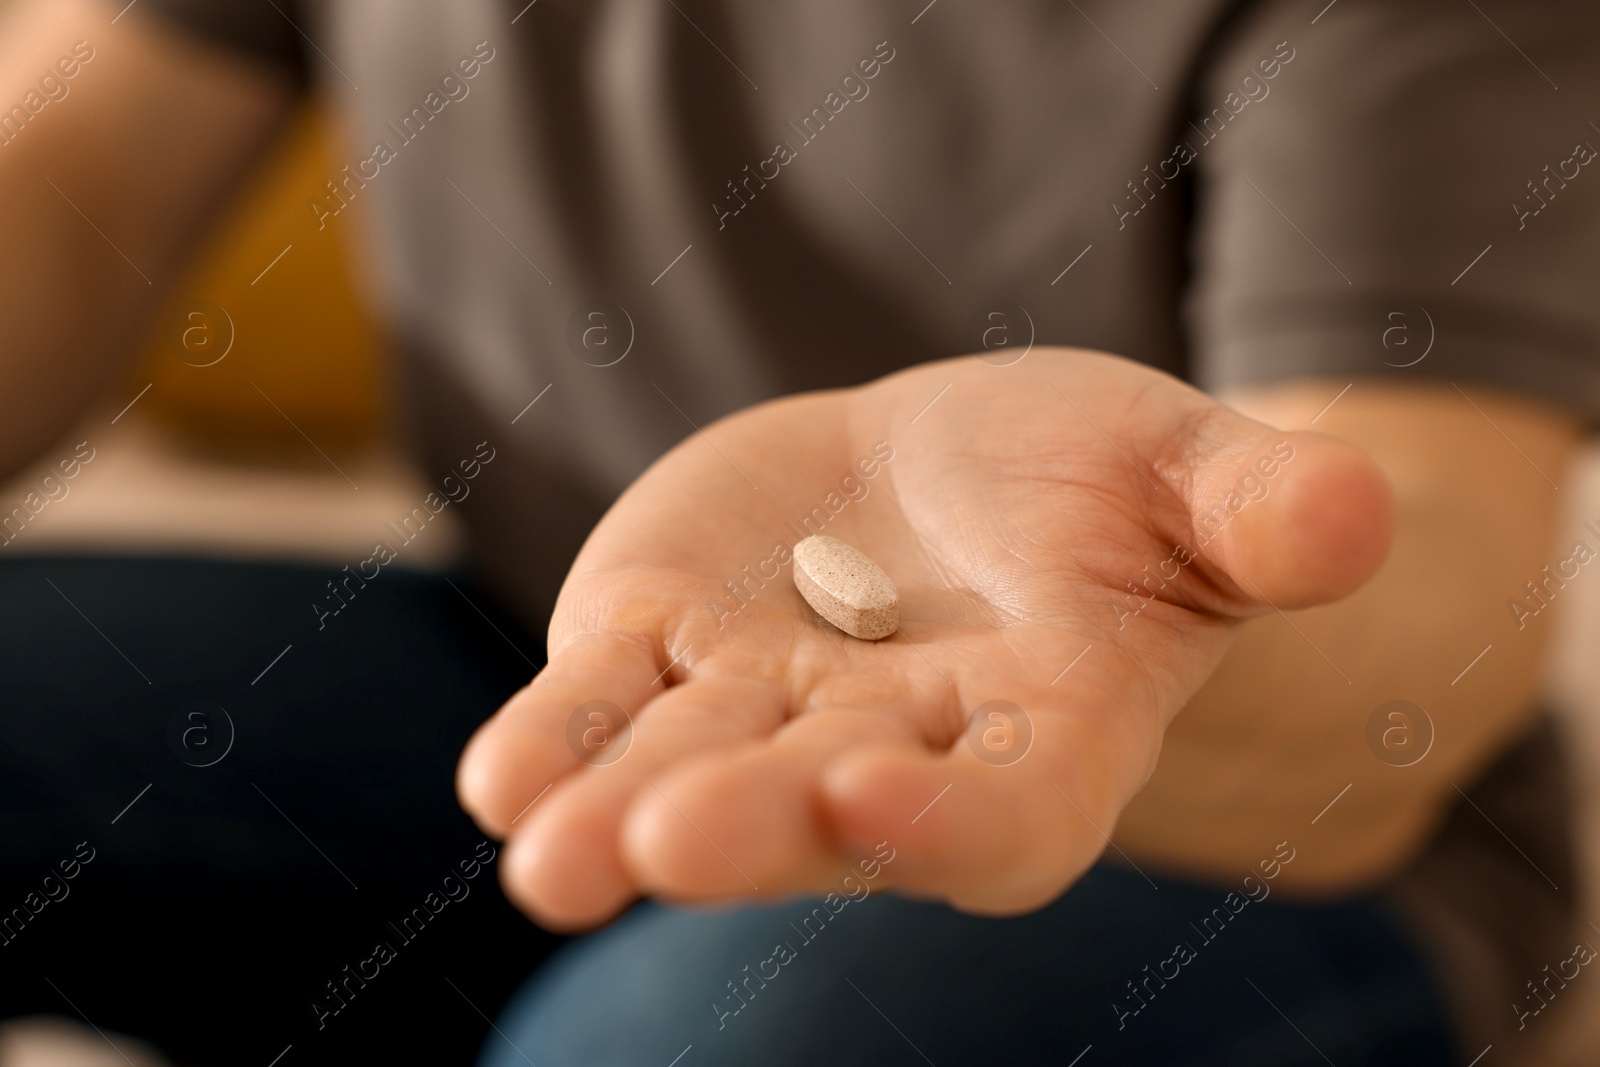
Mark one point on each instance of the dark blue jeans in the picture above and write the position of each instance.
(212, 809)
(1093, 979)
(250, 803)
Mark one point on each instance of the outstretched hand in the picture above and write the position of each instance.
(1075, 535)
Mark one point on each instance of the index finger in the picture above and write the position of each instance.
(518, 753)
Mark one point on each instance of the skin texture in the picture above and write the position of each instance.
(767, 752)
(1277, 732)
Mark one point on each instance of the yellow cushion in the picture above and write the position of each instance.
(299, 336)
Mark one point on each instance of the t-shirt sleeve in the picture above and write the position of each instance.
(1413, 193)
(264, 31)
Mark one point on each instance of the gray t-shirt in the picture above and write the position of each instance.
(637, 216)
(751, 200)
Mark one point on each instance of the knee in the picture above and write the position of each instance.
(663, 980)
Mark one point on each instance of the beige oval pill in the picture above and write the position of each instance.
(846, 588)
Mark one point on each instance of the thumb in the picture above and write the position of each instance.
(1292, 519)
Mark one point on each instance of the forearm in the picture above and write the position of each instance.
(106, 179)
(1282, 726)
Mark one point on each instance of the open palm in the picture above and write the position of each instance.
(1074, 539)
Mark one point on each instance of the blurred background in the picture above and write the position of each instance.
(282, 449)
(299, 397)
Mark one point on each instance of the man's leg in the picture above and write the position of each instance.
(228, 813)
(1118, 971)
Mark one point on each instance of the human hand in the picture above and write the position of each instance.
(1062, 511)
